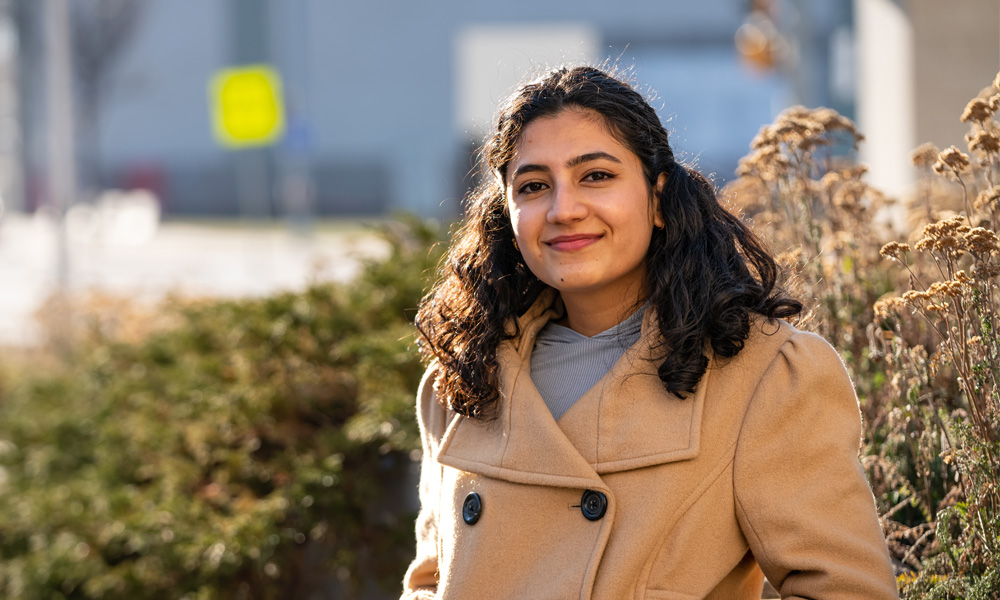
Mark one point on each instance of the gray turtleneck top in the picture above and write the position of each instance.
(565, 364)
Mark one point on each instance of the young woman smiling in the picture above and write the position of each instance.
(583, 215)
(614, 406)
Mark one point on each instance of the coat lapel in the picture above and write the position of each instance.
(626, 421)
(523, 444)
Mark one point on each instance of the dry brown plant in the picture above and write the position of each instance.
(919, 379)
(806, 194)
(943, 326)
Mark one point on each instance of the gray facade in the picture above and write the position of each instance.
(371, 94)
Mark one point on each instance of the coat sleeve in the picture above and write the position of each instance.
(421, 579)
(801, 495)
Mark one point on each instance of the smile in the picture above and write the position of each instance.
(569, 243)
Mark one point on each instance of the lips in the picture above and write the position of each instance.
(569, 243)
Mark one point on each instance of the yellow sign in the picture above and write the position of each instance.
(246, 106)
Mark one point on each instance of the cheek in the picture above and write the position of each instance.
(517, 222)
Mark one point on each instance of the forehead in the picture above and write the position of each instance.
(566, 134)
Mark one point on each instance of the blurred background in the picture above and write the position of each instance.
(227, 149)
(382, 106)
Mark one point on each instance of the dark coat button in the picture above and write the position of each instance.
(593, 505)
(472, 508)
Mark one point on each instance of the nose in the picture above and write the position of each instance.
(567, 205)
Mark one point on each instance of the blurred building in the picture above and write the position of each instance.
(11, 191)
(920, 62)
(387, 100)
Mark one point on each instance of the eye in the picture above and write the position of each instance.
(531, 187)
(598, 176)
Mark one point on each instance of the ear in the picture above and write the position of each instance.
(661, 181)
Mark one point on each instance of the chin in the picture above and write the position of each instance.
(571, 284)
(576, 288)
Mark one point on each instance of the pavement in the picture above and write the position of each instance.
(126, 252)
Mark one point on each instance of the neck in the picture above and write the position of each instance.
(589, 316)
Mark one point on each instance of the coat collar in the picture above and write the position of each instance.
(625, 421)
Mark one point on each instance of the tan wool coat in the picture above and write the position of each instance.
(755, 473)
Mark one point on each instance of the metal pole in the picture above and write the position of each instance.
(61, 145)
(251, 45)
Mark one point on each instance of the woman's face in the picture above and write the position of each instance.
(582, 210)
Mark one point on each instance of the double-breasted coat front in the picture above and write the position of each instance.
(636, 493)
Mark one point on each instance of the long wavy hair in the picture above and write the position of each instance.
(706, 273)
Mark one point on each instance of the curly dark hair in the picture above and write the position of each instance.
(706, 273)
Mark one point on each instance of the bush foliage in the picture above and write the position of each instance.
(244, 450)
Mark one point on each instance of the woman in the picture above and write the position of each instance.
(614, 407)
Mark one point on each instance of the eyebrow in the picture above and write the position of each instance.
(573, 162)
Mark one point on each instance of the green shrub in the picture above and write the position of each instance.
(241, 452)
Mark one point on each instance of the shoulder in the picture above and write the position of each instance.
(801, 382)
(777, 342)
(806, 355)
(783, 370)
